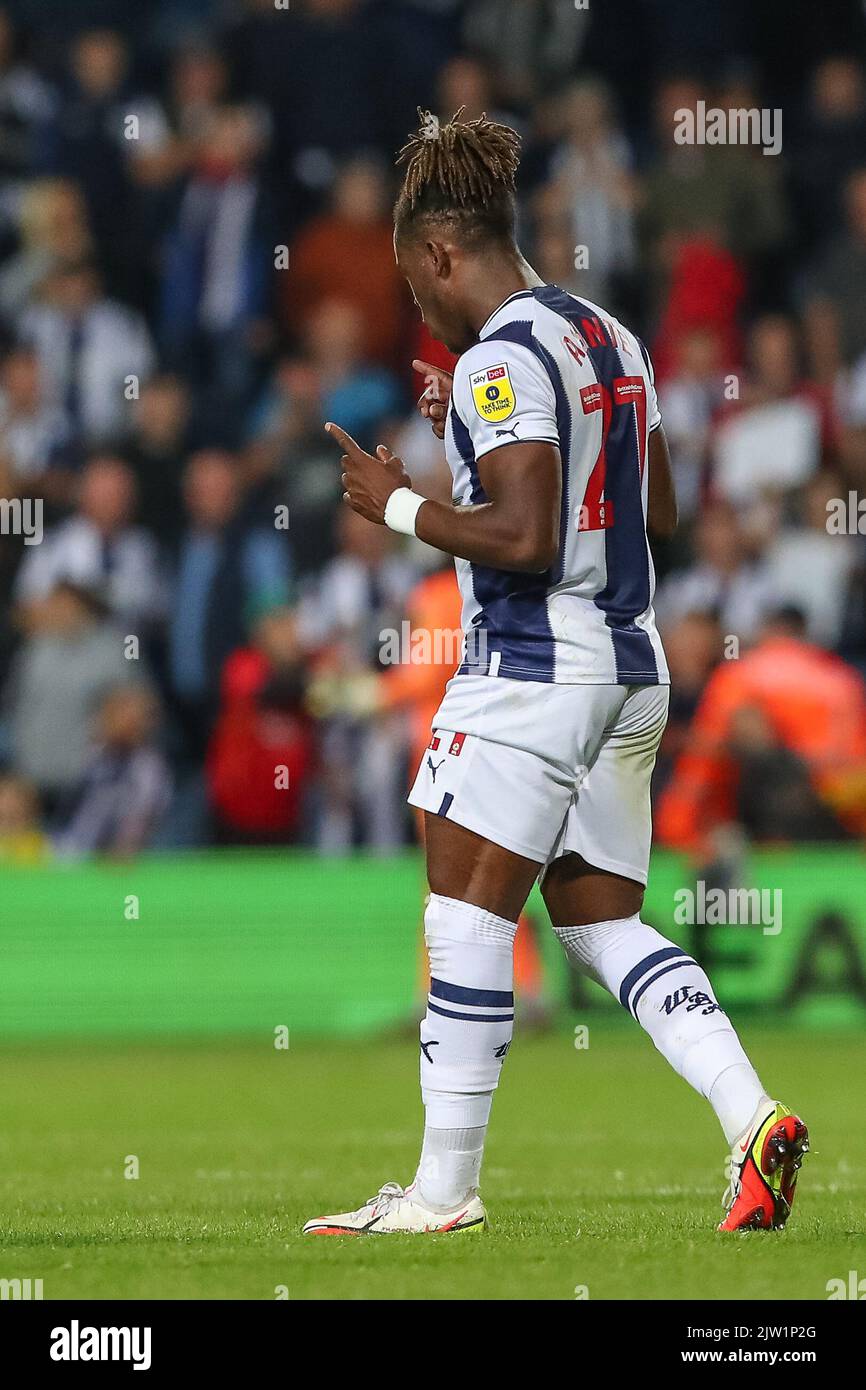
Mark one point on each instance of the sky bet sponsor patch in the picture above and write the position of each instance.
(493, 393)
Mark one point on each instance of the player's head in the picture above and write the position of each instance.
(456, 207)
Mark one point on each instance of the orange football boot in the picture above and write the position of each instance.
(765, 1162)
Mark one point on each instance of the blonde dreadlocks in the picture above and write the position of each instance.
(461, 172)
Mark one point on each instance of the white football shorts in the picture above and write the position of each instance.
(546, 770)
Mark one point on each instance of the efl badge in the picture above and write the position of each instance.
(493, 393)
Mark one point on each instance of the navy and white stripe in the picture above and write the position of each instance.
(589, 618)
(647, 971)
(470, 1005)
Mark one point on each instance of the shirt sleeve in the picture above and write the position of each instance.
(503, 395)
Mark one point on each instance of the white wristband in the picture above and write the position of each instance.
(401, 509)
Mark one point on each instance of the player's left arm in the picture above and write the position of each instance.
(515, 528)
(662, 515)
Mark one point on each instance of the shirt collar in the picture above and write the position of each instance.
(518, 294)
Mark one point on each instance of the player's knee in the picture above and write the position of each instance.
(577, 894)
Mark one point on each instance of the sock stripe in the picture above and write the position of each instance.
(642, 968)
(462, 994)
(470, 1018)
(677, 965)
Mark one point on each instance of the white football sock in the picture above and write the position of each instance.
(450, 1166)
(465, 1036)
(671, 998)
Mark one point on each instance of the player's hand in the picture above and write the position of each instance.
(368, 479)
(433, 403)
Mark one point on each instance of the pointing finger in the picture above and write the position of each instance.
(427, 369)
(345, 440)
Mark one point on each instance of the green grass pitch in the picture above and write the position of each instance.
(603, 1172)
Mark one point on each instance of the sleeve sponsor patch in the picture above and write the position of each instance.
(493, 393)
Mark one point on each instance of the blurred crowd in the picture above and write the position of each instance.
(196, 272)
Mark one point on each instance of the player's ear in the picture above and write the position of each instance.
(439, 258)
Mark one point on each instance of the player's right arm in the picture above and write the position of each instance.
(499, 392)
(516, 528)
(504, 423)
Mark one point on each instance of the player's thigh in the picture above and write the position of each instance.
(599, 864)
(466, 866)
(496, 783)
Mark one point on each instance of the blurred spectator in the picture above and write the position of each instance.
(591, 191)
(325, 260)
(93, 352)
(219, 259)
(91, 141)
(100, 548)
(155, 450)
(693, 647)
(433, 610)
(724, 579)
(33, 433)
(70, 657)
(706, 288)
(729, 194)
(830, 145)
(262, 753)
(52, 229)
(809, 569)
(289, 445)
(775, 798)
(319, 70)
(358, 393)
(126, 784)
(361, 594)
(812, 704)
(465, 84)
(21, 838)
(693, 395)
(197, 87)
(223, 564)
(532, 46)
(27, 103)
(772, 438)
(836, 289)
